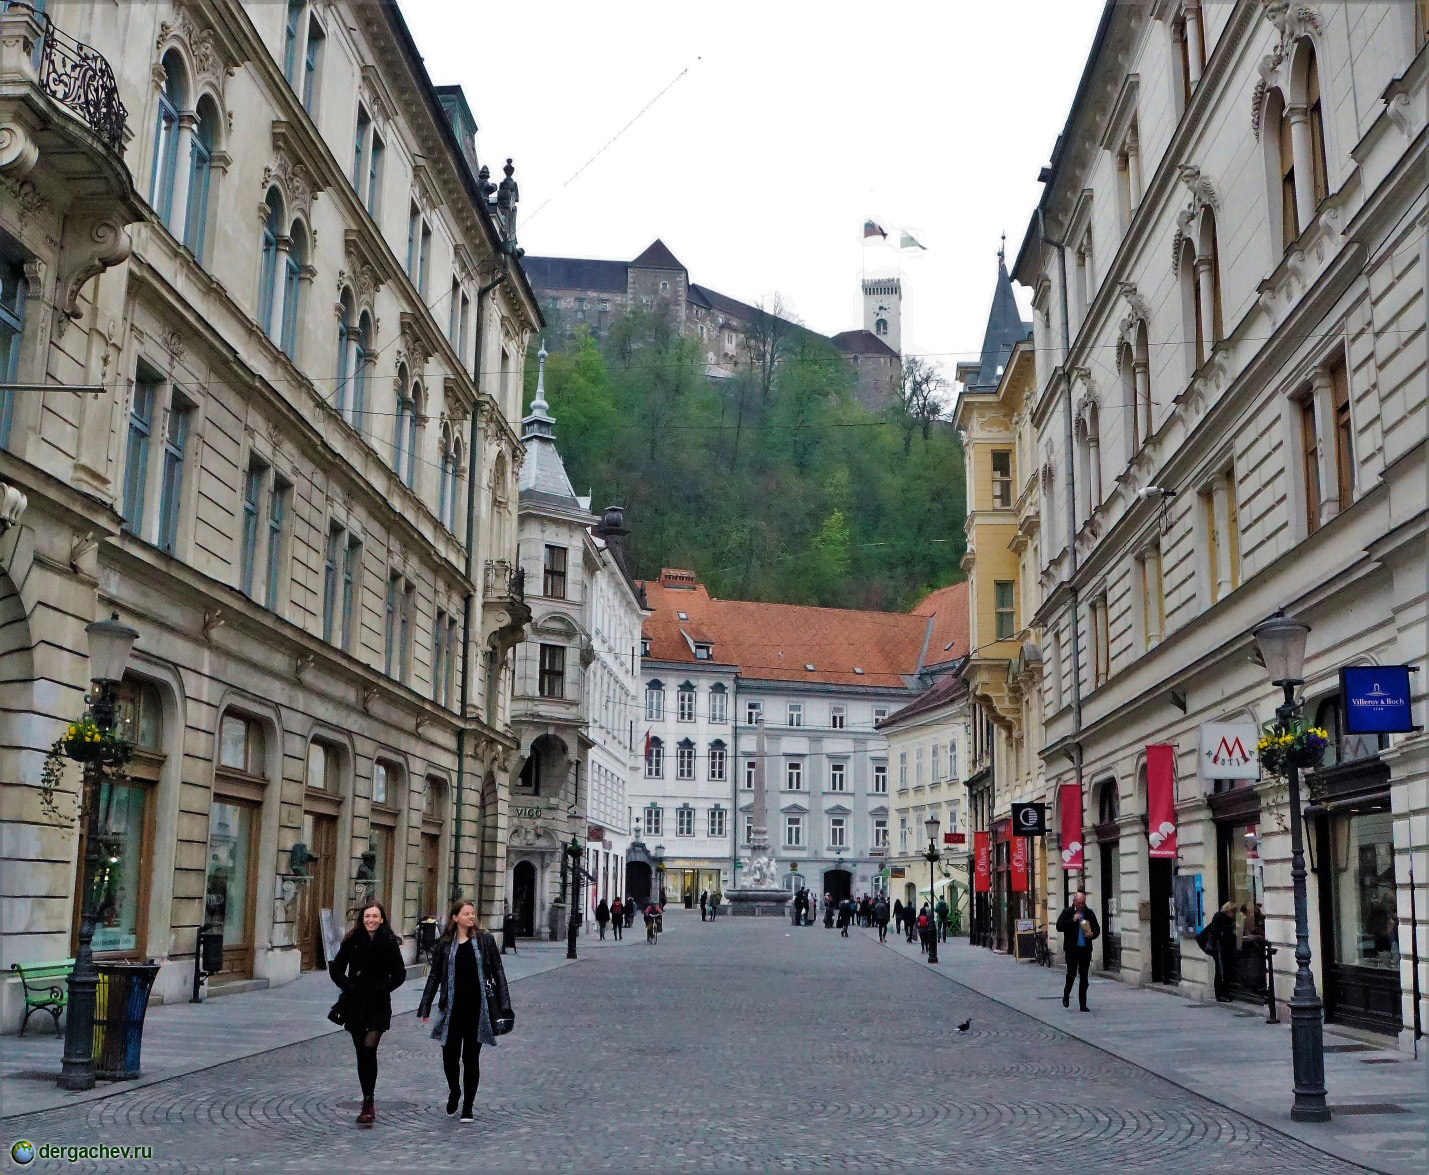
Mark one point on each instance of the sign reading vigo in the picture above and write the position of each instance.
(1228, 750)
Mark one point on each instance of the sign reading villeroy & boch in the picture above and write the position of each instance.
(1376, 699)
(1228, 750)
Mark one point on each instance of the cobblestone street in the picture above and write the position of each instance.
(738, 1045)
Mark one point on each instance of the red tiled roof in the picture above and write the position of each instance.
(943, 690)
(949, 609)
(774, 642)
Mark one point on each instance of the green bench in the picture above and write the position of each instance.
(46, 988)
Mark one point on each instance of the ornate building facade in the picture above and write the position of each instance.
(266, 331)
(1228, 268)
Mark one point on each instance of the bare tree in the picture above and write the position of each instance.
(922, 398)
(767, 339)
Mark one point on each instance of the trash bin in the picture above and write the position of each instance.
(120, 1003)
(426, 938)
(508, 933)
(211, 946)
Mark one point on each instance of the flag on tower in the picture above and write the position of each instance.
(872, 228)
(908, 241)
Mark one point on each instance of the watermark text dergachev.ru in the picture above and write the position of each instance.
(25, 1152)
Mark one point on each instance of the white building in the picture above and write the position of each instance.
(250, 269)
(822, 679)
(574, 692)
(1229, 273)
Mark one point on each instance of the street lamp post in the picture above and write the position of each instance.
(573, 923)
(1281, 641)
(109, 646)
(932, 856)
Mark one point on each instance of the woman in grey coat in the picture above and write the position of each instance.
(463, 960)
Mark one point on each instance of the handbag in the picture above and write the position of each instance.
(339, 1011)
(1203, 940)
(503, 1020)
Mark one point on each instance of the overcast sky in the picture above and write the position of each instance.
(793, 123)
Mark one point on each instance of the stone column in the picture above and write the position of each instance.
(1220, 509)
(1142, 370)
(280, 285)
(1323, 395)
(1299, 117)
(1206, 286)
(1193, 42)
(1133, 170)
(183, 173)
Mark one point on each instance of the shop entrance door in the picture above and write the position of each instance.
(430, 900)
(1111, 935)
(1165, 957)
(320, 835)
(523, 898)
(1361, 940)
(228, 892)
(838, 883)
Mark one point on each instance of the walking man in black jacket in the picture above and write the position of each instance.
(1079, 929)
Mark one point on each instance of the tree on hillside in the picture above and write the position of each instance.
(922, 398)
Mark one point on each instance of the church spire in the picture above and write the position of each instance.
(543, 470)
(540, 422)
(1005, 328)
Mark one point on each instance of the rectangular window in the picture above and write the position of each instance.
(1310, 463)
(937, 763)
(719, 706)
(553, 579)
(684, 762)
(1101, 654)
(374, 175)
(685, 705)
(453, 304)
(414, 229)
(794, 775)
(1002, 479)
(918, 767)
(654, 821)
(753, 712)
(449, 682)
(880, 779)
(394, 586)
(796, 714)
(136, 456)
(654, 704)
(902, 770)
(277, 509)
(379, 783)
(952, 760)
(439, 636)
(684, 822)
(793, 831)
(749, 830)
(879, 714)
(290, 40)
(407, 622)
(312, 65)
(553, 671)
(424, 258)
(903, 834)
(880, 834)
(172, 485)
(1232, 528)
(1344, 431)
(837, 776)
(1004, 616)
(248, 550)
(838, 832)
(751, 768)
(1213, 544)
(838, 716)
(716, 821)
(717, 762)
(655, 761)
(351, 564)
(359, 147)
(330, 576)
(463, 322)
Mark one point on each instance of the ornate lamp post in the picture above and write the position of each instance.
(1281, 641)
(109, 645)
(659, 898)
(575, 852)
(932, 856)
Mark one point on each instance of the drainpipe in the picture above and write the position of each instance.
(473, 464)
(1061, 248)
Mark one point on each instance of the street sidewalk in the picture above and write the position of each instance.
(1226, 1053)
(185, 1038)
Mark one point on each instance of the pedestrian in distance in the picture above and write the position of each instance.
(846, 915)
(704, 903)
(828, 911)
(468, 983)
(898, 915)
(630, 911)
(1218, 941)
(368, 968)
(880, 917)
(617, 917)
(942, 919)
(1079, 929)
(715, 899)
(925, 927)
(602, 916)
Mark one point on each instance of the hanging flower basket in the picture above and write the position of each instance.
(86, 742)
(1300, 746)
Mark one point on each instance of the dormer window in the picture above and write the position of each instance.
(703, 652)
(644, 646)
(682, 615)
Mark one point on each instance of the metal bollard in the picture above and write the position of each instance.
(1273, 1017)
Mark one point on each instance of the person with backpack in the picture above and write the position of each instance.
(925, 927)
(368, 968)
(1218, 940)
(880, 917)
(617, 917)
(469, 984)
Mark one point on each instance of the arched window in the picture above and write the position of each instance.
(458, 479)
(1194, 341)
(444, 473)
(268, 266)
(1094, 456)
(1281, 146)
(166, 135)
(1315, 116)
(1208, 280)
(360, 347)
(200, 173)
(345, 334)
(880, 326)
(292, 288)
(400, 421)
(1126, 369)
(416, 408)
(1141, 359)
(13, 292)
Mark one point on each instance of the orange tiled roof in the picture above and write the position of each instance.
(775, 642)
(949, 609)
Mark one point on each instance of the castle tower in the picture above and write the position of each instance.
(883, 309)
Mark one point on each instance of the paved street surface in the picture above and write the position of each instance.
(738, 1045)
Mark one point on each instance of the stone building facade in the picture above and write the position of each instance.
(267, 386)
(1229, 269)
(573, 709)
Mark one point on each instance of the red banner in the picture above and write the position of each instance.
(982, 864)
(1018, 858)
(1161, 800)
(1069, 807)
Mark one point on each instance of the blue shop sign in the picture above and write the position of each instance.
(1376, 699)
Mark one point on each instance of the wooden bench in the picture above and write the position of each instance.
(46, 988)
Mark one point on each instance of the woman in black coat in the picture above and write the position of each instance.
(464, 961)
(1220, 943)
(368, 968)
(602, 916)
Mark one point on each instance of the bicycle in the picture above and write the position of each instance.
(1044, 952)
